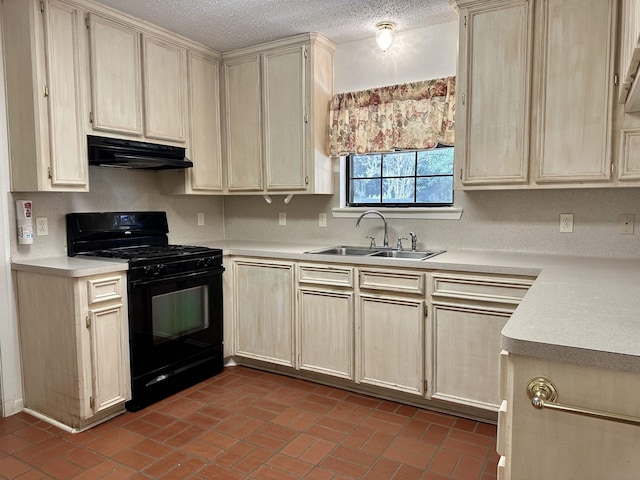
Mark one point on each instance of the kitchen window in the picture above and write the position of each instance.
(407, 178)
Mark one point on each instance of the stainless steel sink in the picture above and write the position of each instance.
(408, 254)
(342, 250)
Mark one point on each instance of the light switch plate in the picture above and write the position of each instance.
(566, 223)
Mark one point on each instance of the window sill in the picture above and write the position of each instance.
(427, 213)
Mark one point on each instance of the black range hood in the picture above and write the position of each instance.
(119, 153)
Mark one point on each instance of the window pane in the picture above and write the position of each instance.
(438, 161)
(365, 166)
(399, 164)
(365, 191)
(435, 190)
(398, 190)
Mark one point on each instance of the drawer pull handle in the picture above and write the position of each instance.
(543, 394)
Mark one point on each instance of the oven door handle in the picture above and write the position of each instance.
(181, 276)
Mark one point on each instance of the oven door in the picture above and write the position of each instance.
(174, 322)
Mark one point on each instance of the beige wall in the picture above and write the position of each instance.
(526, 221)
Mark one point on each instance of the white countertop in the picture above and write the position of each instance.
(71, 266)
(580, 310)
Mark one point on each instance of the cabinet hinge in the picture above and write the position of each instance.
(49, 173)
(306, 118)
(306, 180)
(426, 386)
(613, 168)
(91, 402)
(463, 99)
(45, 90)
(460, 174)
(616, 79)
(304, 52)
(426, 310)
(87, 321)
(87, 22)
(42, 7)
(90, 117)
(465, 21)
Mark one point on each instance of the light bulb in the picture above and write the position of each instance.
(384, 36)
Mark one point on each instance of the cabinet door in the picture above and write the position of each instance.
(205, 150)
(492, 146)
(326, 332)
(116, 82)
(109, 358)
(66, 82)
(264, 311)
(466, 355)
(243, 124)
(284, 118)
(574, 63)
(165, 89)
(391, 350)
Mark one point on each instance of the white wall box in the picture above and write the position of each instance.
(45, 67)
(276, 99)
(74, 338)
(518, 124)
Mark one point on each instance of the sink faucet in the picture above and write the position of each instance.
(385, 241)
(414, 241)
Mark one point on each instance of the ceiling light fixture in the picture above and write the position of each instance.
(384, 35)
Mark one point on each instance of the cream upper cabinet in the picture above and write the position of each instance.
(46, 82)
(116, 77)
(277, 98)
(76, 363)
(165, 89)
(205, 144)
(573, 90)
(494, 70)
(629, 54)
(536, 81)
(138, 82)
(243, 131)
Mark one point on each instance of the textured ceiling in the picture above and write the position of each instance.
(229, 24)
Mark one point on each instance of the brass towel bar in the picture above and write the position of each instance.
(543, 394)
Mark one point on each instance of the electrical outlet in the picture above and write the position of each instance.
(626, 222)
(566, 223)
(282, 218)
(322, 220)
(42, 226)
(200, 219)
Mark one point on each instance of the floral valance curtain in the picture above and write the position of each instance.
(407, 116)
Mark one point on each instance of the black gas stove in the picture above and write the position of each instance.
(174, 296)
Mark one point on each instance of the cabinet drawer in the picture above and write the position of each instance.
(104, 289)
(498, 289)
(325, 275)
(390, 280)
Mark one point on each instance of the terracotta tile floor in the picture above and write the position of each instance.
(248, 424)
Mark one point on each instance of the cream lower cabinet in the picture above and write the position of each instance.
(264, 308)
(46, 60)
(544, 443)
(468, 313)
(74, 345)
(326, 320)
(390, 329)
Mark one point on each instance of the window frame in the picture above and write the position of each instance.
(349, 181)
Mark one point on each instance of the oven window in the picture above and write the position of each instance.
(180, 313)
